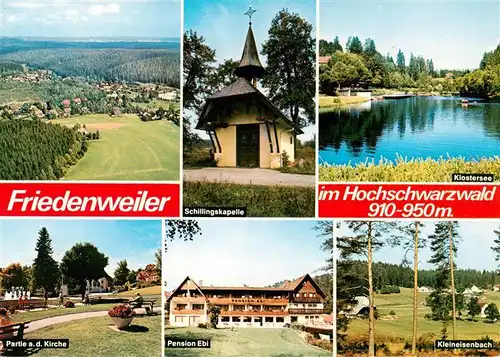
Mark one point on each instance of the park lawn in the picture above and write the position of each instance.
(260, 201)
(57, 311)
(416, 170)
(129, 149)
(151, 290)
(326, 101)
(395, 332)
(92, 337)
(251, 342)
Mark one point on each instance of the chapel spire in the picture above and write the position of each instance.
(250, 66)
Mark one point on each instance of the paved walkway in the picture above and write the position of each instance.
(245, 176)
(38, 324)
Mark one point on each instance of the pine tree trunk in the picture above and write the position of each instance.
(415, 292)
(452, 278)
(371, 323)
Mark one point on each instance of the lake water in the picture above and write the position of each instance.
(418, 127)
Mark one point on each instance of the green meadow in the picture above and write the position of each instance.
(128, 149)
(260, 201)
(251, 342)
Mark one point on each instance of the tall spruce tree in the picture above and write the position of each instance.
(354, 45)
(45, 270)
(401, 61)
(366, 239)
(496, 249)
(410, 239)
(444, 243)
(336, 45)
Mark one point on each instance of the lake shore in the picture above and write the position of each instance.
(416, 170)
(327, 102)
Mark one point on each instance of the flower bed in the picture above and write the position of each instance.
(69, 303)
(121, 311)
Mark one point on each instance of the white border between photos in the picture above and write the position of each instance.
(316, 115)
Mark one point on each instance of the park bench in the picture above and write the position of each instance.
(101, 300)
(148, 306)
(15, 332)
(34, 304)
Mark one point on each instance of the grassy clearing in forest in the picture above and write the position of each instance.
(129, 149)
(416, 170)
(395, 330)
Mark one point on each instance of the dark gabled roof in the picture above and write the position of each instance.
(287, 286)
(241, 87)
(180, 286)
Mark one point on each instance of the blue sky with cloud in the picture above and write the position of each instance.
(455, 34)
(133, 240)
(473, 249)
(251, 252)
(224, 26)
(117, 18)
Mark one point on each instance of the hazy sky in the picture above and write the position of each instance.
(455, 34)
(91, 18)
(133, 240)
(224, 26)
(251, 252)
(473, 249)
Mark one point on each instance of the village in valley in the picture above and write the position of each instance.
(150, 101)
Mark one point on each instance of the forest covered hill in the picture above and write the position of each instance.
(129, 61)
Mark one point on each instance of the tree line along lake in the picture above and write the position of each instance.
(416, 127)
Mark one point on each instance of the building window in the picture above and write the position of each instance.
(269, 319)
(247, 319)
(225, 319)
(179, 319)
(291, 139)
(235, 319)
(280, 319)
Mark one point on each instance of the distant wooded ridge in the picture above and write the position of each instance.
(14, 44)
(385, 274)
(145, 62)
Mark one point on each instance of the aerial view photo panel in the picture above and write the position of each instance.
(90, 90)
